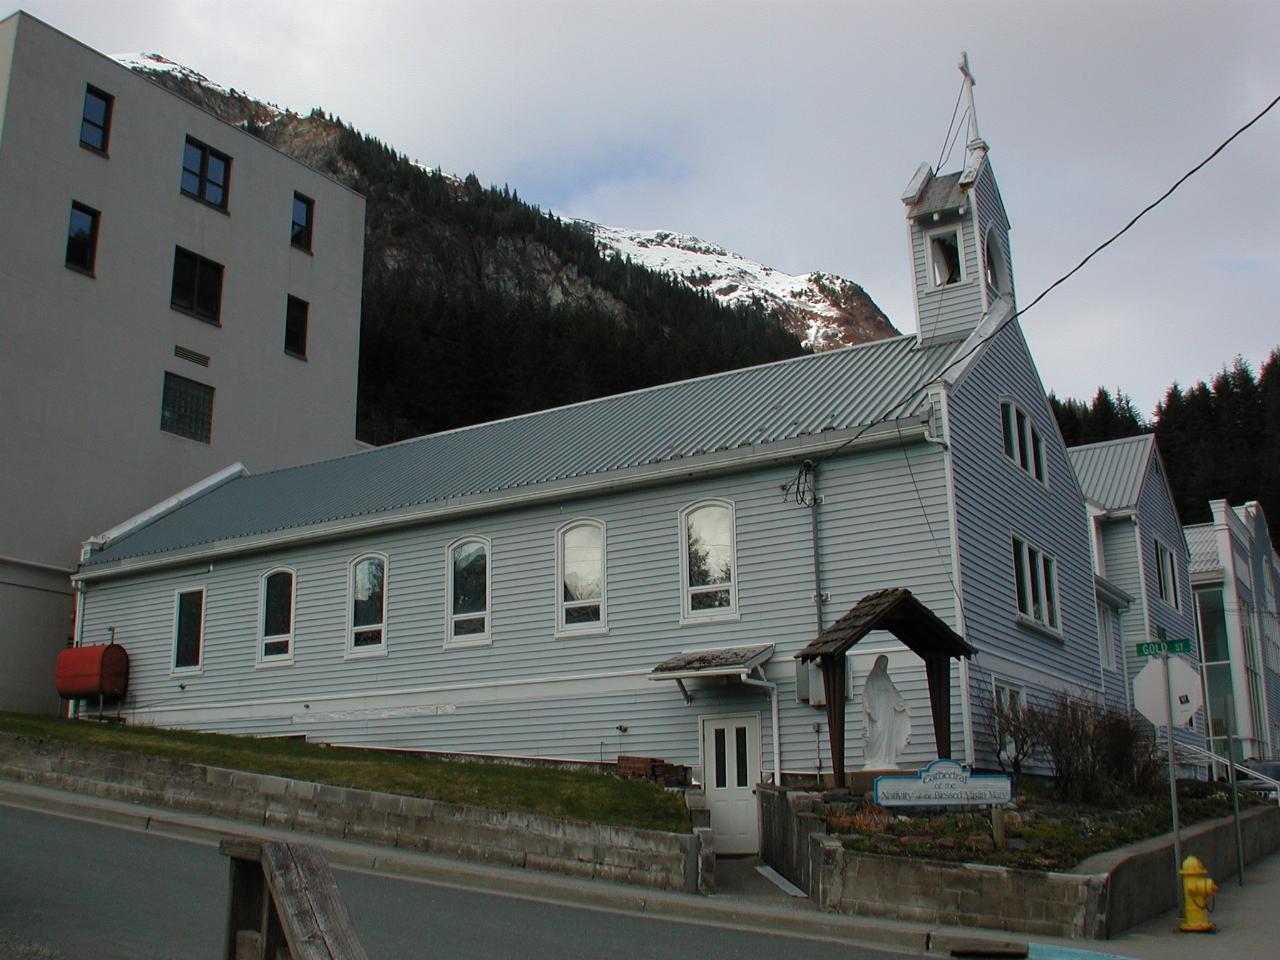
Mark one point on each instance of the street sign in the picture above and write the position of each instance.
(1184, 691)
(1153, 648)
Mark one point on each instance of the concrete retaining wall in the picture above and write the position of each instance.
(1101, 898)
(648, 858)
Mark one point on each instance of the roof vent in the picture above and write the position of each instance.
(184, 354)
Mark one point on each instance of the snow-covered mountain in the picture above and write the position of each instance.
(824, 310)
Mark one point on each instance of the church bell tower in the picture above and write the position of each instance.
(959, 240)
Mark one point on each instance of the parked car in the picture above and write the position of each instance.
(1267, 768)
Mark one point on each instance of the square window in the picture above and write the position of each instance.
(945, 265)
(187, 408)
(300, 234)
(197, 285)
(82, 237)
(206, 174)
(295, 328)
(95, 121)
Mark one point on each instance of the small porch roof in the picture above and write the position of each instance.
(717, 662)
(897, 611)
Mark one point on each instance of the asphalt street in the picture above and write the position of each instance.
(72, 889)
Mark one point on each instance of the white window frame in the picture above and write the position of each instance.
(577, 629)
(379, 649)
(687, 614)
(198, 667)
(1106, 636)
(1009, 688)
(471, 639)
(1028, 457)
(1044, 578)
(956, 230)
(278, 659)
(1167, 574)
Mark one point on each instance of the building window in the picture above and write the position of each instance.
(295, 327)
(206, 174)
(1106, 637)
(187, 408)
(1036, 579)
(276, 636)
(368, 605)
(1022, 442)
(82, 238)
(1011, 701)
(197, 286)
(580, 577)
(468, 591)
(1166, 575)
(188, 630)
(95, 122)
(300, 233)
(946, 266)
(708, 561)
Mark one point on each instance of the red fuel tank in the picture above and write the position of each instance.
(101, 671)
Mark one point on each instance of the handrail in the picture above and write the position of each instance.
(1240, 767)
(284, 903)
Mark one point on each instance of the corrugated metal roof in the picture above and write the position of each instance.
(1111, 473)
(942, 193)
(837, 390)
(1202, 541)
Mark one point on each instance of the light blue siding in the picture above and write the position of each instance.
(947, 313)
(995, 499)
(532, 693)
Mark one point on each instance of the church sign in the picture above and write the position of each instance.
(943, 783)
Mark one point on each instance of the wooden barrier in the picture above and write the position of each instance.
(285, 905)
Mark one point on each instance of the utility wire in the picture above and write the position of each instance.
(950, 126)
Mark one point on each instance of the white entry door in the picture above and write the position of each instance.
(730, 771)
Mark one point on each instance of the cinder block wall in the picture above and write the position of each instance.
(647, 858)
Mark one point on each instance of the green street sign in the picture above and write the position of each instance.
(1154, 648)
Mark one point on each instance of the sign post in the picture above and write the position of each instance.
(1161, 690)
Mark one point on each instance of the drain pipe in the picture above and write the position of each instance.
(811, 468)
(773, 705)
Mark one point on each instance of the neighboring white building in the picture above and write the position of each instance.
(1235, 574)
(175, 296)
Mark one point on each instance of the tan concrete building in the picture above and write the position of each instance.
(175, 296)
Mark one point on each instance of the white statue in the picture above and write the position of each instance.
(888, 727)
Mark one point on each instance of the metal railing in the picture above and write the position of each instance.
(1252, 774)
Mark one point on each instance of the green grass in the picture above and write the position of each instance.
(549, 791)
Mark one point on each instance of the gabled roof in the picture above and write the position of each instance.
(1202, 541)
(896, 610)
(1111, 473)
(748, 411)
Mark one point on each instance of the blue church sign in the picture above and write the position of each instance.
(943, 783)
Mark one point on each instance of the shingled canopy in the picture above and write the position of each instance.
(923, 632)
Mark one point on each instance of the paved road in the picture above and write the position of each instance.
(72, 889)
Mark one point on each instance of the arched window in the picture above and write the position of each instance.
(580, 577)
(709, 560)
(275, 623)
(368, 605)
(468, 592)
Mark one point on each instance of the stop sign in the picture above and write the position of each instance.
(1184, 684)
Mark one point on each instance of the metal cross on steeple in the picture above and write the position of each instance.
(976, 150)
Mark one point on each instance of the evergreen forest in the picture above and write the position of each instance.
(1219, 439)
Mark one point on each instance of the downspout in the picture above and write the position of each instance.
(773, 704)
(77, 637)
(966, 707)
(811, 468)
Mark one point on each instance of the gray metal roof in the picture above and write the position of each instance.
(1202, 541)
(751, 408)
(941, 194)
(1111, 473)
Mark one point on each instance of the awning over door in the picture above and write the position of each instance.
(731, 662)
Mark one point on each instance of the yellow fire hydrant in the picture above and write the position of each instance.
(1197, 889)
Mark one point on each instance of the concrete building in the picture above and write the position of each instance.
(1235, 574)
(175, 296)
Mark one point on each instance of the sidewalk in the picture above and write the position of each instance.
(745, 899)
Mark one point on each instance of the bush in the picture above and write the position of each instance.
(1096, 753)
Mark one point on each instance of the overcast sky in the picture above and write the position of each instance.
(786, 132)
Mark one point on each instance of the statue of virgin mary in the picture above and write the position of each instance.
(888, 720)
